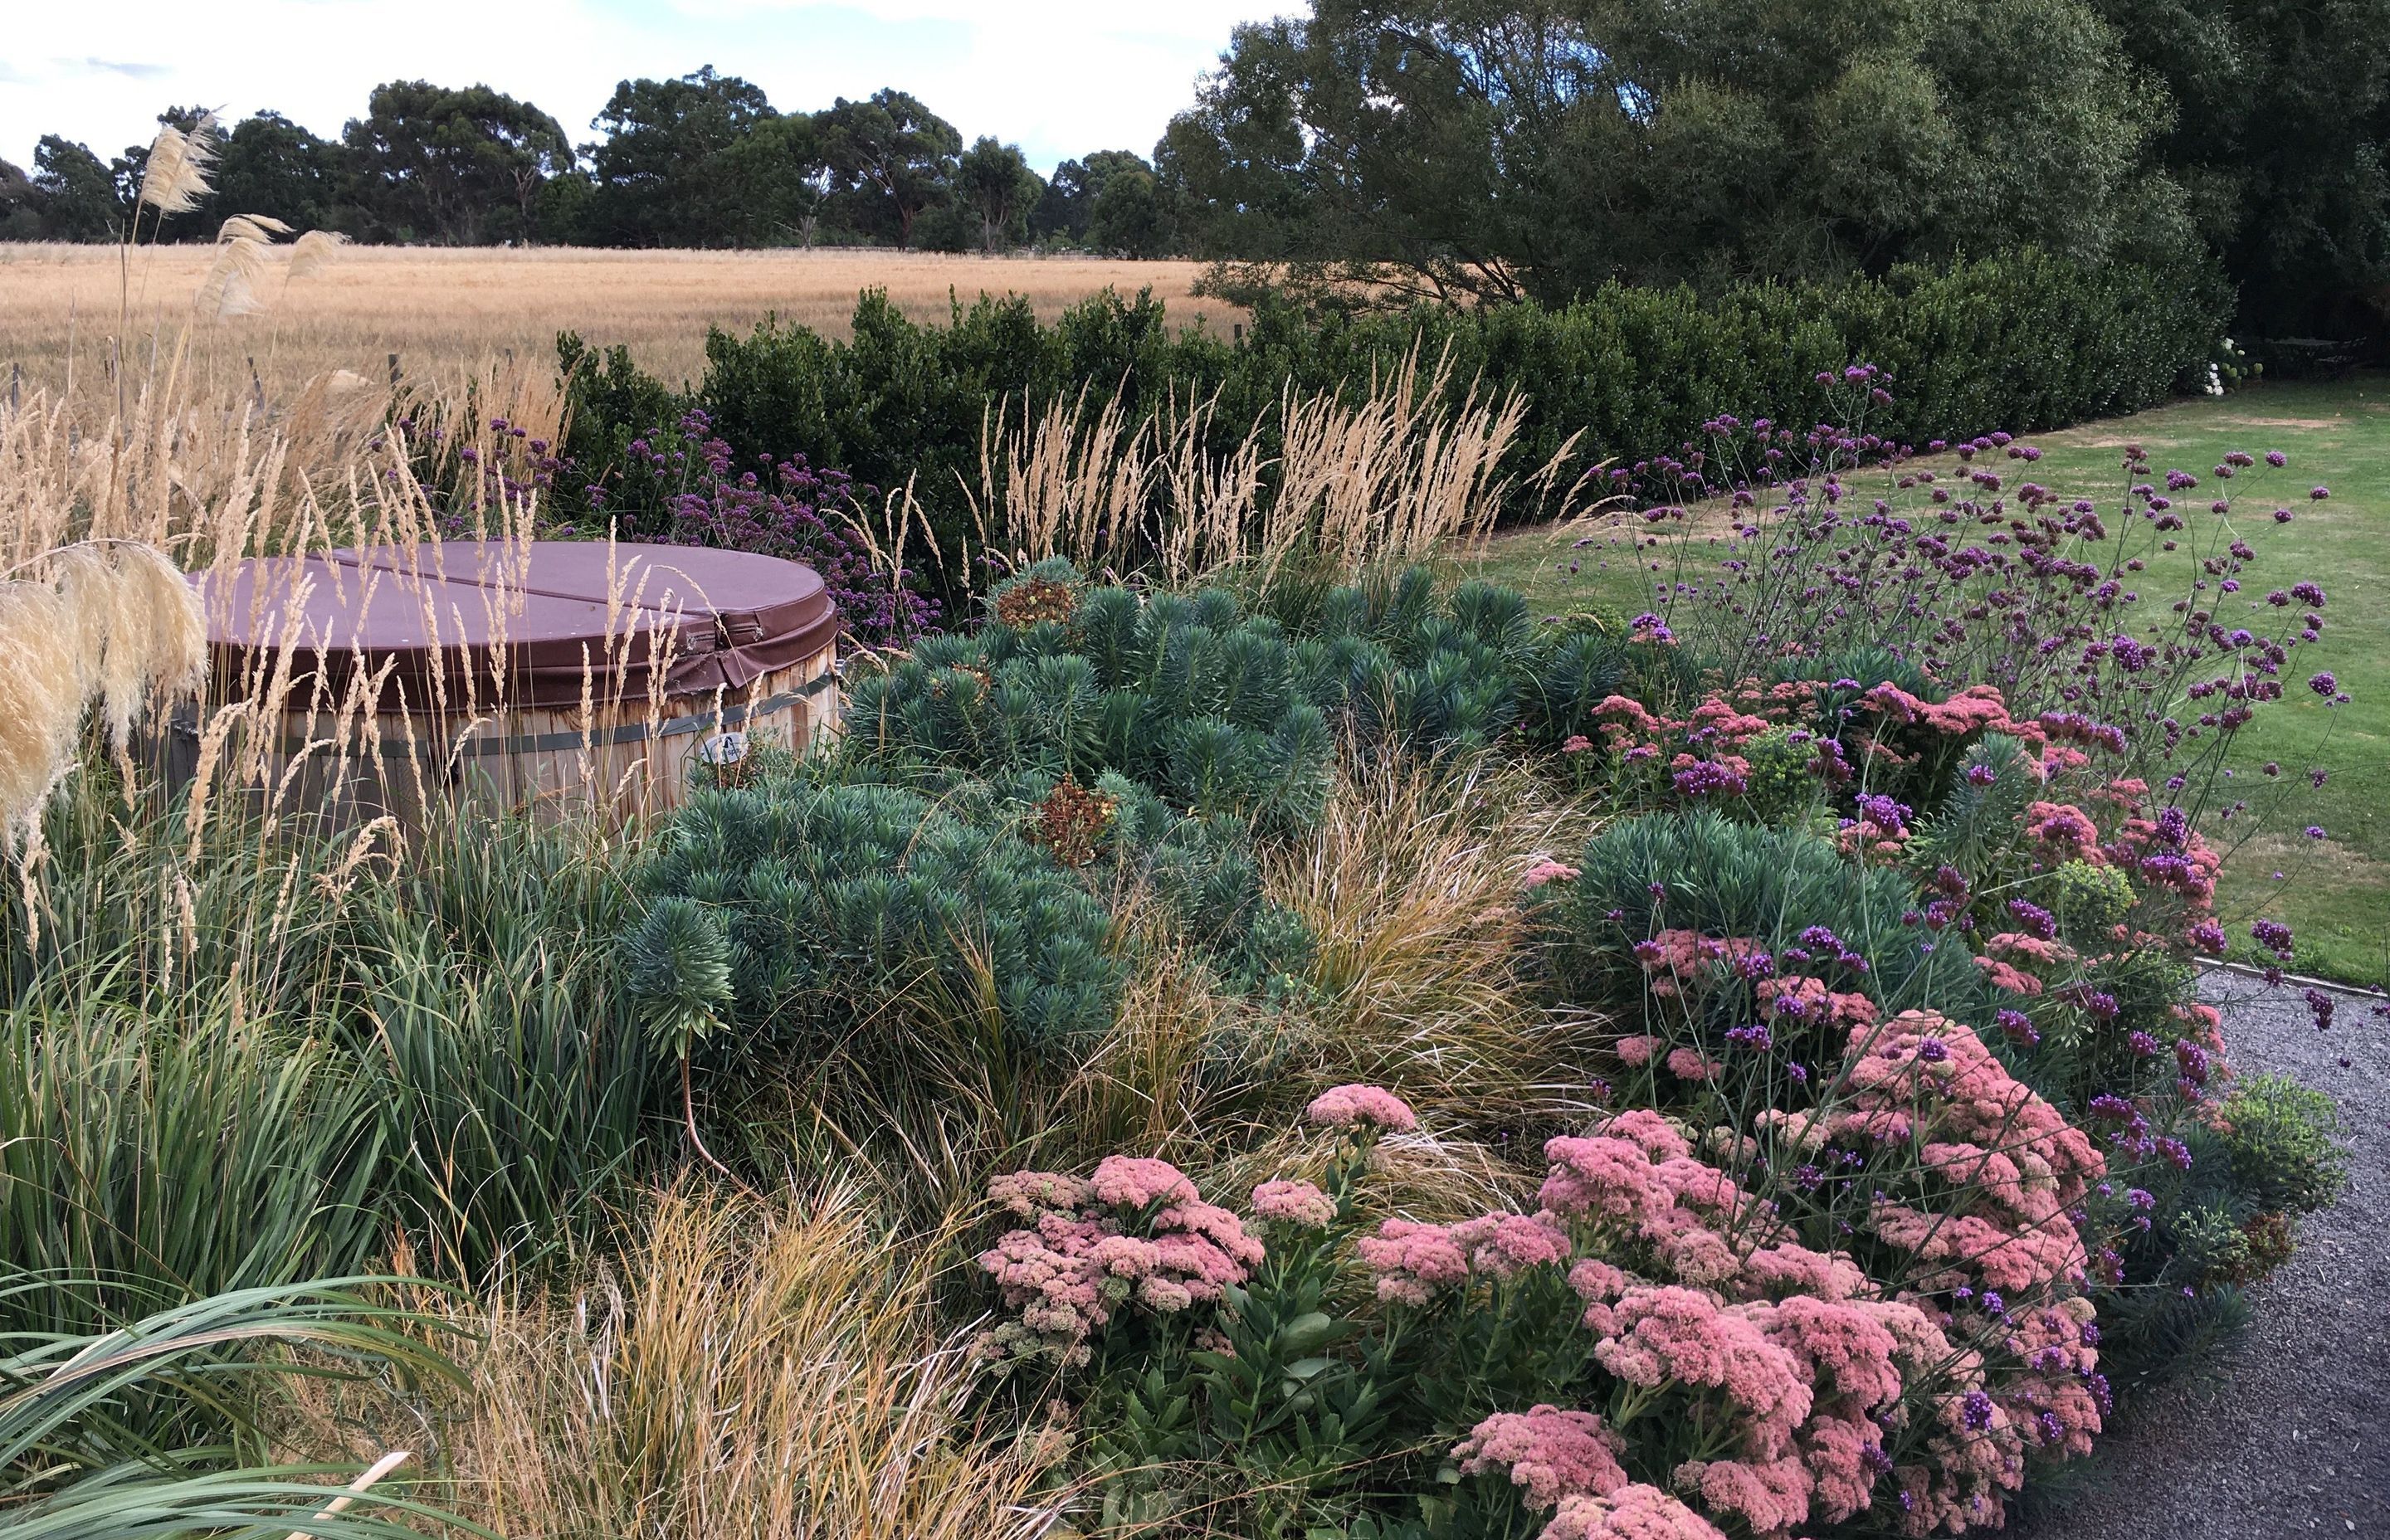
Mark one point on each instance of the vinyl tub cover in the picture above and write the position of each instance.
(731, 617)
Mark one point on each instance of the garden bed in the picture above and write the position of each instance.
(1306, 1047)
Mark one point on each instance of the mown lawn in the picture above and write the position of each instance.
(2334, 892)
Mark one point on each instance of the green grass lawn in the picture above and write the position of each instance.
(2334, 892)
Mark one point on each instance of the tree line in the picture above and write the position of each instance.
(702, 160)
(1464, 150)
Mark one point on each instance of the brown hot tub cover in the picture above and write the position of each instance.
(434, 611)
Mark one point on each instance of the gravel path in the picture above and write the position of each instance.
(2292, 1436)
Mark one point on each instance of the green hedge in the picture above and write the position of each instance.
(2022, 341)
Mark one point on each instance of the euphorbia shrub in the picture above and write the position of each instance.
(838, 901)
(1221, 710)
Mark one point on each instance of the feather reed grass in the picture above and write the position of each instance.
(1392, 473)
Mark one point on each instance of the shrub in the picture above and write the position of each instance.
(1185, 696)
(2283, 1141)
(2061, 929)
(1221, 712)
(677, 486)
(1790, 892)
(2023, 340)
(843, 901)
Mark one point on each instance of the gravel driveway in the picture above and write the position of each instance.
(2292, 1435)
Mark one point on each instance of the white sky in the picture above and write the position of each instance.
(1058, 77)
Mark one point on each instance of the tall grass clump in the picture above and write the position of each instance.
(1393, 474)
(1422, 976)
(774, 1366)
(259, 1051)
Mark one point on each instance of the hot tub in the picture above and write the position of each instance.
(541, 674)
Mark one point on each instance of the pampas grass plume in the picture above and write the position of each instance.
(175, 176)
(314, 249)
(42, 676)
(231, 286)
(112, 626)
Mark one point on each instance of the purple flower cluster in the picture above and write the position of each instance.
(1978, 575)
(2273, 935)
(783, 508)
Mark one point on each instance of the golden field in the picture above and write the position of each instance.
(439, 308)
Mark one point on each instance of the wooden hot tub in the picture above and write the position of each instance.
(543, 674)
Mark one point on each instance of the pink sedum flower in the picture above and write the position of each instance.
(1133, 1182)
(1068, 1274)
(1649, 1130)
(1602, 1177)
(1844, 1454)
(1633, 1512)
(1362, 1106)
(1689, 1064)
(1636, 1051)
(1769, 1496)
(1030, 1193)
(1550, 1452)
(1164, 1295)
(1294, 1202)
(1503, 1246)
(1412, 1261)
(1547, 871)
(1671, 1333)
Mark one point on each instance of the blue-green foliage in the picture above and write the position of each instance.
(1702, 872)
(2284, 1144)
(1210, 886)
(1183, 695)
(838, 901)
(909, 867)
(1457, 673)
(1227, 714)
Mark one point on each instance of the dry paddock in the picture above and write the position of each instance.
(441, 308)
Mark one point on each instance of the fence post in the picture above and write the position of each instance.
(393, 368)
(256, 385)
(15, 379)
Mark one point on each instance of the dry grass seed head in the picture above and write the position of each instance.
(1411, 890)
(231, 286)
(114, 626)
(772, 1368)
(313, 252)
(41, 682)
(174, 177)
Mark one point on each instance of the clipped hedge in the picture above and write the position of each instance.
(2022, 341)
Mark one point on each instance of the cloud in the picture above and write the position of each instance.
(112, 66)
(1058, 77)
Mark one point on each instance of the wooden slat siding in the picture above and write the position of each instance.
(534, 757)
